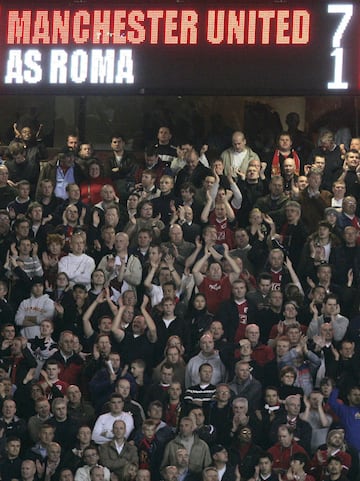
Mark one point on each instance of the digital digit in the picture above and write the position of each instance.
(338, 52)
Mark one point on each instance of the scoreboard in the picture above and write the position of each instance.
(241, 48)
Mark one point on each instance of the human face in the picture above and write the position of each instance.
(94, 171)
(43, 408)
(326, 331)
(218, 166)
(74, 395)
(292, 406)
(245, 435)
(176, 234)
(255, 217)
(326, 389)
(77, 244)
(207, 344)
(296, 466)
(147, 180)
(294, 335)
(85, 151)
(26, 133)
(117, 144)
(9, 409)
(331, 307)
(119, 429)
(121, 242)
(271, 397)
(24, 191)
(72, 142)
(166, 375)
(97, 474)
(192, 161)
(164, 135)
(288, 379)
(238, 142)
(123, 388)
(314, 181)
(67, 343)
(111, 217)
(52, 371)
(336, 439)
(28, 469)
(241, 238)
(175, 391)
(265, 466)
(264, 286)
(355, 144)
(107, 193)
(13, 449)
(8, 332)
(116, 406)
(168, 308)
(72, 214)
(315, 401)
(25, 247)
(334, 468)
(347, 350)
(211, 475)
(60, 411)
(276, 187)
(292, 214)
(182, 458)
(245, 348)
(143, 475)
(186, 428)
(302, 182)
(155, 254)
(285, 143)
(285, 438)
(55, 248)
(352, 160)
(115, 361)
(91, 457)
(206, 373)
(239, 290)
(4, 221)
(349, 205)
(46, 435)
(199, 303)
(138, 324)
(66, 475)
(290, 311)
(166, 185)
(173, 355)
(282, 347)
(215, 271)
(129, 298)
(98, 278)
(276, 260)
(209, 182)
(4, 175)
(36, 214)
(217, 330)
(324, 274)
(253, 334)
(289, 167)
(319, 163)
(252, 173)
(54, 452)
(242, 371)
(146, 211)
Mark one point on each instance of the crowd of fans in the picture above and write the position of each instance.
(180, 317)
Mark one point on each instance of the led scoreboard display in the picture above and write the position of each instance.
(207, 48)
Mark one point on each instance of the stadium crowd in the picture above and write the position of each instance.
(176, 317)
